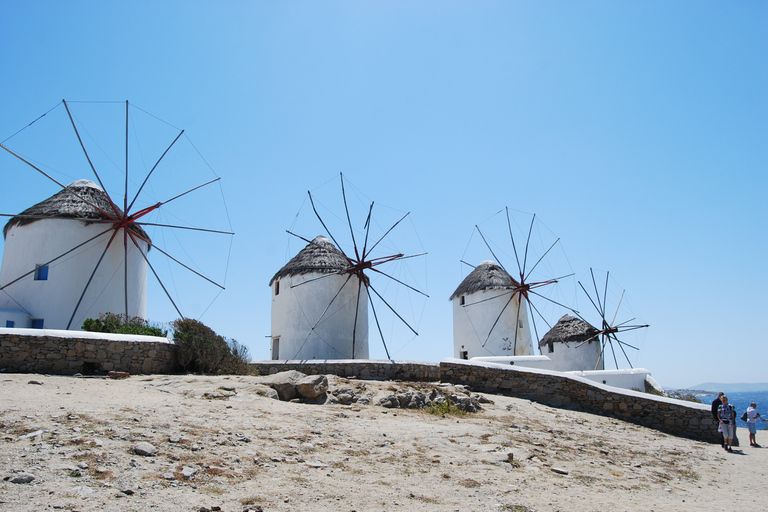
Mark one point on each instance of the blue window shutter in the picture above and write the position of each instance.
(10, 323)
(38, 323)
(41, 273)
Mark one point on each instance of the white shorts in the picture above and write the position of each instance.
(727, 430)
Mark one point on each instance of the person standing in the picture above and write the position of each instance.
(726, 414)
(752, 416)
(716, 403)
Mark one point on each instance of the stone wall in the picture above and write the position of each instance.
(359, 368)
(677, 417)
(70, 352)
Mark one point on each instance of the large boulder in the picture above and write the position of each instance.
(284, 383)
(312, 386)
(263, 390)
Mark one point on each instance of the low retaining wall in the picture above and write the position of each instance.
(70, 352)
(359, 368)
(677, 417)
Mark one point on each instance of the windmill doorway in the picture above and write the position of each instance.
(276, 348)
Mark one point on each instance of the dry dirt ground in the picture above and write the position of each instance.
(77, 438)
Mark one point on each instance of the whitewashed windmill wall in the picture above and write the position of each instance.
(477, 304)
(573, 345)
(307, 322)
(47, 297)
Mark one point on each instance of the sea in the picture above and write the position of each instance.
(741, 401)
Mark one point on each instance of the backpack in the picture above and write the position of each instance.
(744, 416)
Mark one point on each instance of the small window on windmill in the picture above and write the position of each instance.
(520, 323)
(41, 272)
(551, 347)
(277, 287)
(461, 300)
(38, 323)
(463, 355)
(10, 323)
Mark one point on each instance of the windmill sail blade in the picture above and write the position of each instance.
(617, 307)
(87, 157)
(533, 318)
(600, 309)
(555, 302)
(412, 256)
(613, 351)
(57, 258)
(626, 344)
(125, 196)
(85, 289)
(590, 300)
(188, 191)
(399, 281)
(331, 301)
(517, 327)
(488, 298)
(514, 247)
(367, 231)
(349, 221)
(160, 281)
(187, 267)
(125, 270)
(324, 276)
(624, 352)
(602, 352)
(632, 327)
(378, 326)
(138, 192)
(489, 248)
(527, 243)
(312, 202)
(539, 260)
(73, 192)
(184, 227)
(497, 319)
(533, 322)
(393, 310)
(357, 313)
(388, 231)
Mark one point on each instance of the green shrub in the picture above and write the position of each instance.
(201, 350)
(443, 407)
(122, 324)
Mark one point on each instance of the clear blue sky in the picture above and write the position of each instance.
(636, 131)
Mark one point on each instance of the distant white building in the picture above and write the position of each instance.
(485, 321)
(51, 251)
(573, 345)
(317, 306)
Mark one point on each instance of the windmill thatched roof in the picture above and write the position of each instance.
(569, 329)
(319, 256)
(487, 276)
(81, 199)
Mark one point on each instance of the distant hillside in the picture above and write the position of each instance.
(728, 388)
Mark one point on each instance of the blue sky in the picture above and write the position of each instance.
(637, 132)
